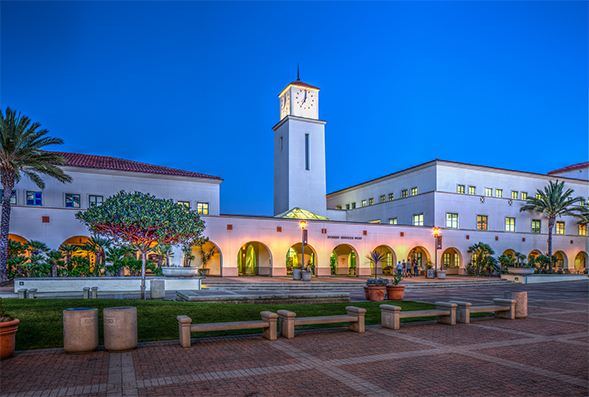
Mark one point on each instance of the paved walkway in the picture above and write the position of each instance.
(543, 355)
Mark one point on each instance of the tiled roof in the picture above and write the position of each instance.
(299, 83)
(570, 168)
(113, 163)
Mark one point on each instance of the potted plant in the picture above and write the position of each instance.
(376, 288)
(429, 270)
(8, 328)
(394, 290)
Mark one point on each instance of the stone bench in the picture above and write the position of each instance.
(354, 317)
(503, 308)
(391, 315)
(267, 323)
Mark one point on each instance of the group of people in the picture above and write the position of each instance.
(408, 269)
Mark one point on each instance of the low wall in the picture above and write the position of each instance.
(543, 278)
(104, 284)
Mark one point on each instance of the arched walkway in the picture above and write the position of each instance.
(451, 260)
(207, 257)
(78, 241)
(387, 265)
(294, 258)
(561, 261)
(346, 258)
(533, 254)
(422, 255)
(510, 253)
(254, 258)
(581, 262)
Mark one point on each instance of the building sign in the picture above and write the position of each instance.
(344, 238)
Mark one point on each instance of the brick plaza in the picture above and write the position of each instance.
(546, 354)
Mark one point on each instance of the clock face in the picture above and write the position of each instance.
(305, 99)
(284, 105)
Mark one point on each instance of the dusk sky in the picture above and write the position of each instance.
(194, 85)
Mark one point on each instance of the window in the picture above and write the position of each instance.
(404, 193)
(354, 205)
(472, 190)
(72, 200)
(338, 207)
(498, 192)
(451, 221)
(95, 200)
(202, 208)
(376, 221)
(414, 191)
(559, 227)
(510, 224)
(482, 222)
(460, 189)
(185, 204)
(514, 194)
(391, 196)
(582, 230)
(536, 226)
(489, 192)
(370, 201)
(363, 203)
(418, 220)
(538, 195)
(392, 221)
(12, 197)
(347, 206)
(582, 202)
(34, 198)
(524, 195)
(307, 152)
(383, 198)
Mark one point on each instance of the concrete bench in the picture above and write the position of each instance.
(503, 308)
(267, 323)
(391, 315)
(354, 317)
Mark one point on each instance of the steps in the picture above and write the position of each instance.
(335, 286)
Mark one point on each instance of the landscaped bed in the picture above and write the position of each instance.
(41, 324)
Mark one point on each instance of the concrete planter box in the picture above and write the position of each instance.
(104, 284)
(80, 330)
(521, 270)
(296, 274)
(306, 276)
(442, 274)
(177, 271)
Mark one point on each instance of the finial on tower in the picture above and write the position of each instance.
(298, 78)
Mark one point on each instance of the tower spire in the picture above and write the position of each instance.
(298, 78)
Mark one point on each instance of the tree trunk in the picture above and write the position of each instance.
(143, 259)
(8, 185)
(551, 222)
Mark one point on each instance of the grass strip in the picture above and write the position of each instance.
(41, 320)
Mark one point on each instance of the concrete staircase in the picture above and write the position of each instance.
(315, 285)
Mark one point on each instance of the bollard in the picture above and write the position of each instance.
(80, 330)
(157, 289)
(86, 292)
(22, 293)
(521, 302)
(94, 293)
(31, 293)
(120, 328)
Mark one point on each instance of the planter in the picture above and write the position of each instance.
(7, 338)
(376, 292)
(178, 271)
(442, 274)
(429, 273)
(521, 270)
(80, 330)
(395, 292)
(296, 274)
(366, 293)
(307, 276)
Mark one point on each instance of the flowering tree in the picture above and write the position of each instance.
(143, 221)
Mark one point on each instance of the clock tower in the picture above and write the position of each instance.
(299, 151)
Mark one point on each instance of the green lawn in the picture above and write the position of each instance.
(41, 322)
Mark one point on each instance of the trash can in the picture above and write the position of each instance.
(80, 330)
(157, 289)
(120, 328)
(521, 302)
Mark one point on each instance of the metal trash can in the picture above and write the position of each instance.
(80, 330)
(120, 328)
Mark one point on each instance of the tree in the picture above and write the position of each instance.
(143, 221)
(482, 257)
(375, 257)
(555, 202)
(20, 154)
(97, 246)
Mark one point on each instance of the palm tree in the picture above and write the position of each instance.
(97, 246)
(554, 202)
(20, 154)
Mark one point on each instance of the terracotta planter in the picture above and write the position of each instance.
(366, 294)
(395, 292)
(7, 338)
(376, 292)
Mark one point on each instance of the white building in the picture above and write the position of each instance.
(395, 214)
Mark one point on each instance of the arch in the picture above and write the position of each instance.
(254, 258)
(451, 260)
(17, 238)
(79, 241)
(207, 257)
(533, 254)
(421, 254)
(387, 265)
(346, 260)
(561, 261)
(509, 252)
(581, 261)
(294, 258)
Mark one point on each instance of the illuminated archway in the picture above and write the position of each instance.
(254, 258)
(533, 255)
(561, 261)
(581, 261)
(79, 241)
(387, 265)
(451, 259)
(510, 253)
(207, 257)
(294, 257)
(421, 254)
(345, 259)
(17, 238)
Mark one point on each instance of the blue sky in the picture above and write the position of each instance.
(194, 85)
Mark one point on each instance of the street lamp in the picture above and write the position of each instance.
(303, 224)
(437, 237)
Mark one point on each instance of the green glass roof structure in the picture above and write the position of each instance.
(299, 213)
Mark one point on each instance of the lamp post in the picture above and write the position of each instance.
(303, 224)
(436, 233)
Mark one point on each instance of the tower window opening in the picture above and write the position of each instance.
(307, 167)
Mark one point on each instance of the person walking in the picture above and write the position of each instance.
(400, 268)
(415, 268)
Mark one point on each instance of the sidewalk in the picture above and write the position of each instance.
(543, 355)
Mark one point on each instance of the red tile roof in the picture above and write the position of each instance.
(570, 168)
(299, 83)
(113, 163)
